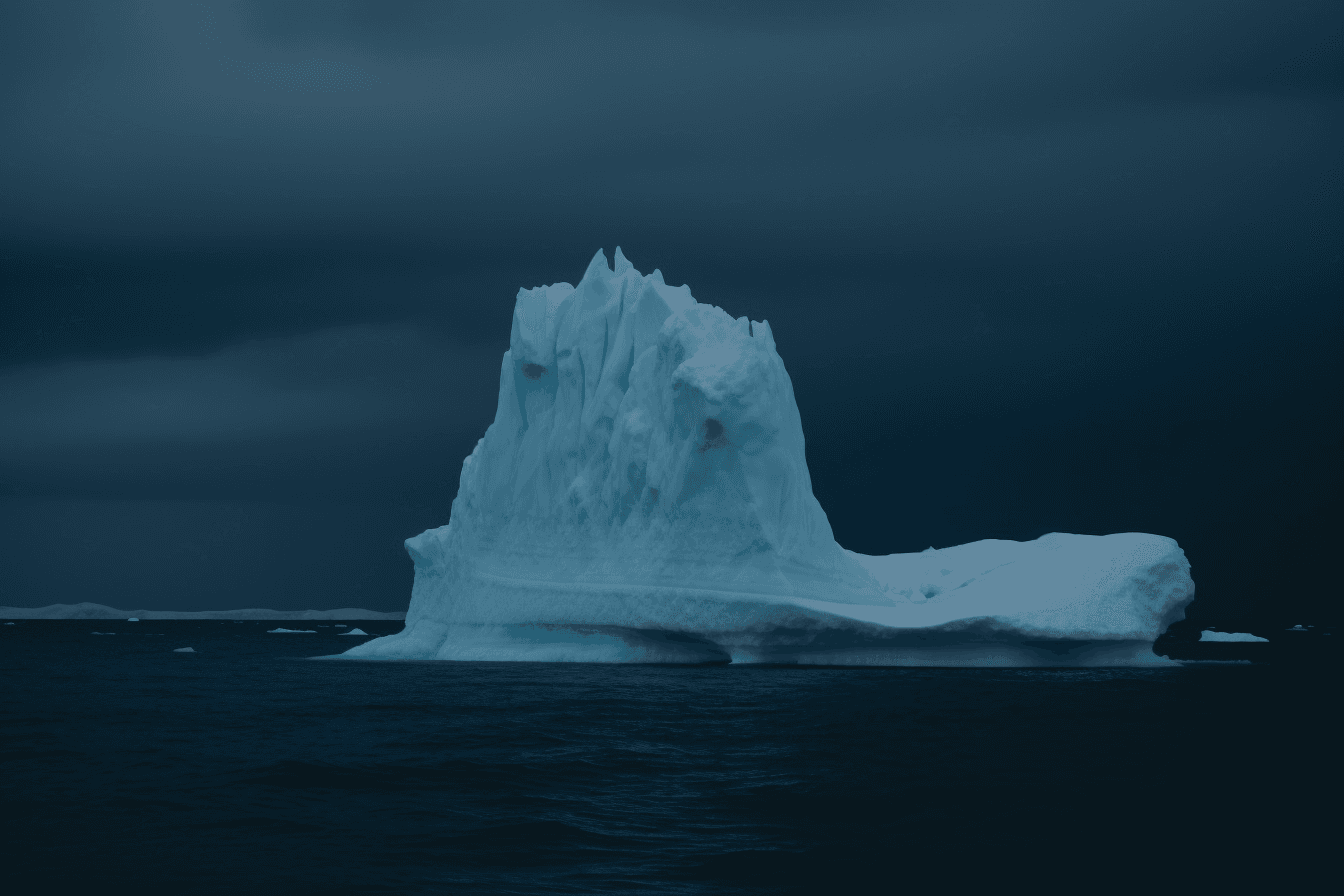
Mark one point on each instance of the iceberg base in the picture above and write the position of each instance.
(615, 644)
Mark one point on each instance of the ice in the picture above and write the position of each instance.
(1243, 637)
(292, 631)
(355, 631)
(102, 633)
(643, 496)
(98, 611)
(183, 650)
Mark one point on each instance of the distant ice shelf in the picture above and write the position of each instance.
(99, 611)
(643, 496)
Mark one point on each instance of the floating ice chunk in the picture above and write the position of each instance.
(102, 633)
(133, 619)
(1297, 628)
(643, 496)
(183, 650)
(9, 623)
(340, 626)
(355, 631)
(1240, 637)
(292, 631)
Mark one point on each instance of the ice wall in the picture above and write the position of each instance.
(643, 495)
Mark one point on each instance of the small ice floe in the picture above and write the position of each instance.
(103, 633)
(292, 631)
(339, 626)
(184, 650)
(9, 623)
(356, 631)
(133, 619)
(1241, 637)
(1296, 628)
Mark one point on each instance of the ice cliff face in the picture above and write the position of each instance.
(643, 495)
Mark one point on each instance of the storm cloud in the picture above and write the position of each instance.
(1032, 267)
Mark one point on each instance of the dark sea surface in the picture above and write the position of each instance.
(246, 768)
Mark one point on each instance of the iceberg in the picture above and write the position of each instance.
(1239, 637)
(643, 496)
(357, 632)
(184, 650)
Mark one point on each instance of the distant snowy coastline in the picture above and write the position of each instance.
(99, 611)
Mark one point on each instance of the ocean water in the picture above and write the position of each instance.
(246, 767)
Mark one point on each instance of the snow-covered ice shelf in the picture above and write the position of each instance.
(643, 496)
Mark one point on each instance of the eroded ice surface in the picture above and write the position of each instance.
(643, 496)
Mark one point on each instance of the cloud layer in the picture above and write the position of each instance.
(1056, 266)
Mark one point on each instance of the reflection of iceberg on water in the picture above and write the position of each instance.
(643, 496)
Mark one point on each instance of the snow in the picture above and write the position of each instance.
(183, 650)
(292, 631)
(355, 631)
(643, 496)
(98, 611)
(1240, 637)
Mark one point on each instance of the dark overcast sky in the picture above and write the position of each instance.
(1033, 267)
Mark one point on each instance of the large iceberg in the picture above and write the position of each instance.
(643, 496)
